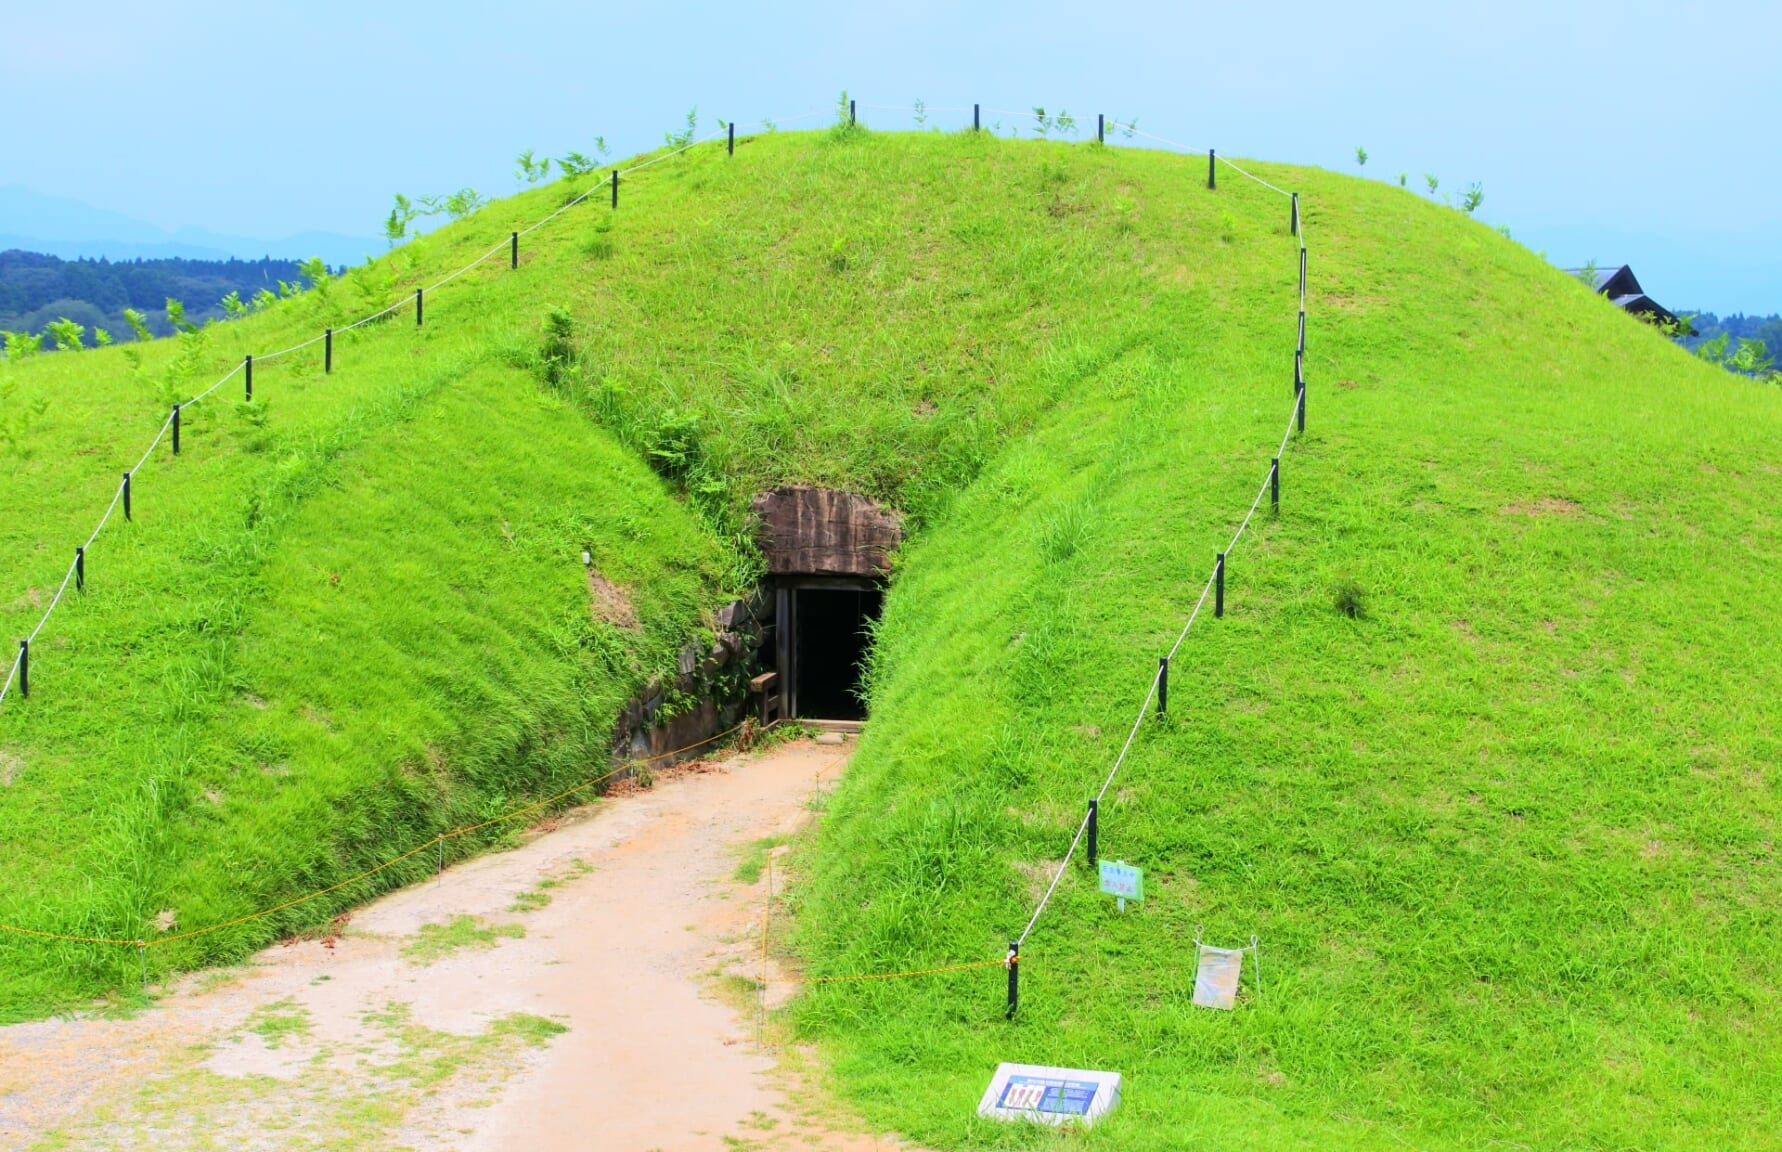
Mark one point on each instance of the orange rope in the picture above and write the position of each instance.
(895, 975)
(370, 872)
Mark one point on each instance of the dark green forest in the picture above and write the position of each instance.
(1738, 326)
(36, 289)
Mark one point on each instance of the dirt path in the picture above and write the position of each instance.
(570, 994)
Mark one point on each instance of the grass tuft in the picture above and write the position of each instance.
(435, 942)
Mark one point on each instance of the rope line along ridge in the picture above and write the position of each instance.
(13, 670)
(1294, 416)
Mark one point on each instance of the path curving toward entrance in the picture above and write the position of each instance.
(582, 991)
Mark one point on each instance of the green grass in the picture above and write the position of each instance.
(277, 1022)
(539, 895)
(1507, 837)
(434, 942)
(753, 858)
(1506, 833)
(401, 1069)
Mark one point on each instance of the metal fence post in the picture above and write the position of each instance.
(417, 307)
(25, 690)
(80, 568)
(126, 496)
(1162, 685)
(176, 429)
(327, 350)
(1212, 173)
(1219, 587)
(513, 251)
(1013, 963)
(1274, 485)
(1094, 817)
(732, 144)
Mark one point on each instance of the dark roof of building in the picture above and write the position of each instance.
(1619, 281)
(1623, 287)
(1642, 305)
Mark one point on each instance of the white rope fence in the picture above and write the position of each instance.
(1159, 680)
(1270, 479)
(1156, 679)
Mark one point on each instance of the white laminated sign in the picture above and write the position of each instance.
(1049, 1095)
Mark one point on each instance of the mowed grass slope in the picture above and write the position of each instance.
(1508, 839)
(355, 615)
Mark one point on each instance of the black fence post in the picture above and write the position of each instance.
(1101, 136)
(974, 119)
(1014, 966)
(417, 307)
(1162, 685)
(513, 251)
(126, 496)
(732, 145)
(1302, 408)
(1274, 485)
(1219, 587)
(327, 350)
(80, 568)
(1302, 273)
(1295, 224)
(1094, 832)
(1302, 331)
(248, 363)
(851, 120)
(176, 429)
(615, 187)
(25, 690)
(1299, 370)
(1212, 173)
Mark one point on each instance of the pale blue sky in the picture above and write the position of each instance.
(1627, 131)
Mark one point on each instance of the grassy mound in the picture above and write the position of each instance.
(1505, 833)
(353, 613)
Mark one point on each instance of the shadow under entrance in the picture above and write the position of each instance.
(825, 632)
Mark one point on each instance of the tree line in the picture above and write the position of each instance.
(37, 290)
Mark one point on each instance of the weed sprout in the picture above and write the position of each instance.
(685, 136)
(66, 333)
(1349, 599)
(531, 169)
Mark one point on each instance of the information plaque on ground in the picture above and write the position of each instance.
(1049, 1095)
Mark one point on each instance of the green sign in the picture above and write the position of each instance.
(1122, 880)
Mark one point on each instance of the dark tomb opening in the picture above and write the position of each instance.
(828, 553)
(830, 631)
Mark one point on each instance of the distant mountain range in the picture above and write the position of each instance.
(61, 226)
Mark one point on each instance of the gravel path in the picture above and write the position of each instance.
(578, 992)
